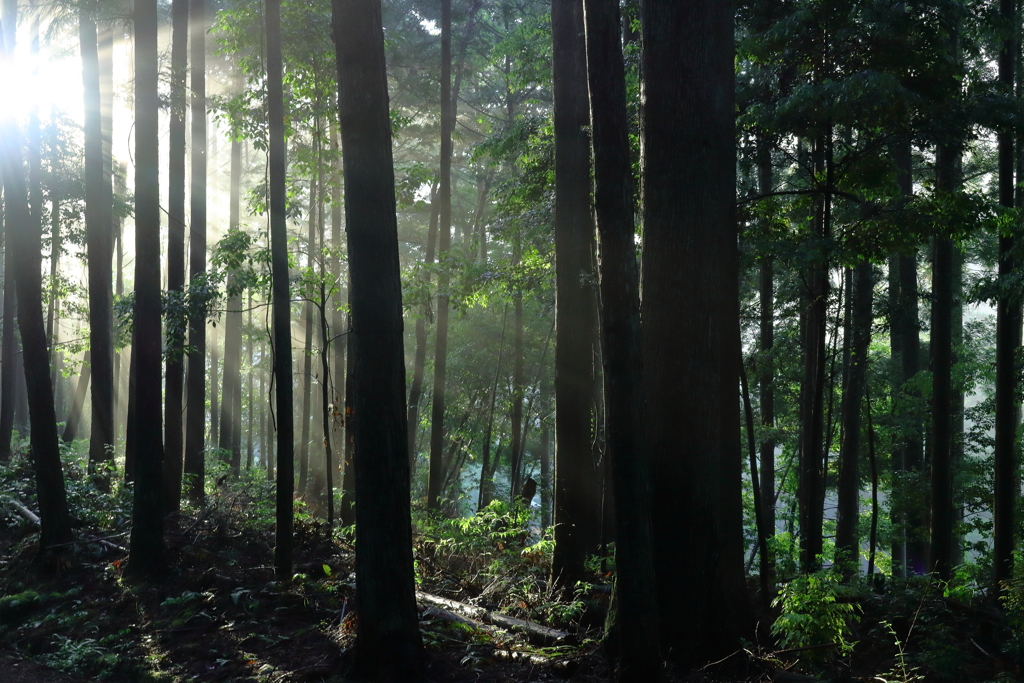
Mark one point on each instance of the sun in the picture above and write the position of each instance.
(47, 83)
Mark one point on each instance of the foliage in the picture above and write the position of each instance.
(813, 613)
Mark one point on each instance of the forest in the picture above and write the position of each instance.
(511, 340)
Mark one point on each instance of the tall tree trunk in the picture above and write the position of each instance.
(215, 397)
(175, 370)
(145, 555)
(195, 417)
(100, 246)
(305, 415)
(281, 296)
(252, 399)
(340, 339)
(10, 360)
(23, 242)
(518, 380)
(545, 475)
(325, 402)
(848, 513)
(75, 412)
(229, 418)
(388, 636)
(766, 379)
(53, 309)
(577, 491)
(690, 264)
(420, 354)
(636, 616)
(437, 431)
(1008, 336)
(132, 419)
(347, 513)
(486, 491)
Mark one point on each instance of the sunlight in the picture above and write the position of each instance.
(55, 84)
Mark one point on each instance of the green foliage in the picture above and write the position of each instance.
(813, 614)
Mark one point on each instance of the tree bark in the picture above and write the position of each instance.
(766, 378)
(577, 489)
(848, 512)
(305, 414)
(690, 273)
(99, 234)
(389, 644)
(175, 368)
(23, 242)
(636, 615)
(281, 296)
(195, 417)
(1008, 336)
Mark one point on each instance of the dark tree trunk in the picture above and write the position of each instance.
(518, 380)
(636, 615)
(812, 446)
(690, 273)
(420, 354)
(347, 513)
(486, 490)
(766, 378)
(132, 421)
(175, 370)
(195, 417)
(915, 529)
(10, 360)
(99, 236)
(1008, 338)
(145, 556)
(437, 431)
(249, 447)
(282, 297)
(340, 339)
(577, 489)
(77, 401)
(389, 645)
(848, 513)
(215, 397)
(325, 402)
(229, 418)
(23, 243)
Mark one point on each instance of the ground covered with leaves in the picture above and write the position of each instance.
(220, 614)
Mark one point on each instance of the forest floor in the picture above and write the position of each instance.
(221, 615)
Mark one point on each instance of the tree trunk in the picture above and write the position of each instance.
(282, 298)
(215, 397)
(690, 264)
(448, 108)
(249, 448)
(10, 360)
(229, 418)
(100, 247)
(766, 379)
(848, 513)
(307, 357)
(195, 417)
(636, 614)
(340, 339)
(347, 513)
(389, 641)
(75, 412)
(1008, 338)
(145, 555)
(23, 243)
(420, 354)
(577, 490)
(518, 380)
(175, 370)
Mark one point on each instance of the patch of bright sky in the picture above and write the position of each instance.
(55, 83)
(430, 26)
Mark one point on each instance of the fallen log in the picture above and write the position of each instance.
(535, 633)
(23, 511)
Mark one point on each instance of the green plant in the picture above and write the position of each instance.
(901, 671)
(812, 614)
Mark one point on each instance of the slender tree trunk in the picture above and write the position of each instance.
(100, 246)
(420, 354)
(23, 242)
(577, 490)
(215, 397)
(1008, 337)
(766, 379)
(545, 475)
(249, 462)
(690, 269)
(175, 369)
(195, 417)
(10, 360)
(145, 555)
(437, 431)
(132, 421)
(486, 491)
(389, 641)
(636, 610)
(282, 297)
(347, 513)
(848, 513)
(75, 413)
(229, 418)
(340, 340)
(305, 415)
(518, 380)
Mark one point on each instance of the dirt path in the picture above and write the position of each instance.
(24, 671)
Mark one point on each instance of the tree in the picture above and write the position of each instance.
(577, 494)
(175, 372)
(145, 554)
(195, 419)
(23, 242)
(690, 262)
(388, 637)
(636, 611)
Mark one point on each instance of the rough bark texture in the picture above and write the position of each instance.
(195, 417)
(175, 370)
(636, 612)
(691, 325)
(766, 376)
(577, 490)
(388, 643)
(281, 296)
(146, 552)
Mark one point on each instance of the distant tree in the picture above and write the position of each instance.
(388, 640)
